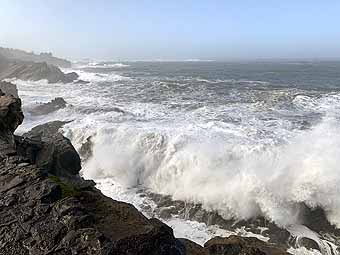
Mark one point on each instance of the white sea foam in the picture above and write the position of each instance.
(98, 77)
(236, 181)
(103, 65)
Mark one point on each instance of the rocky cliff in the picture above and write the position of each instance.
(47, 208)
(33, 71)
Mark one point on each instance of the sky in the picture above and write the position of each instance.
(173, 29)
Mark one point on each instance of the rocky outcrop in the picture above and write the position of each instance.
(9, 88)
(14, 54)
(11, 117)
(33, 71)
(52, 106)
(241, 245)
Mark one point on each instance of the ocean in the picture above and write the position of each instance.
(239, 140)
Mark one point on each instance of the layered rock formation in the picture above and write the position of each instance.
(14, 54)
(47, 208)
(33, 71)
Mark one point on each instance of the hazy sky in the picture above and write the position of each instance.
(173, 29)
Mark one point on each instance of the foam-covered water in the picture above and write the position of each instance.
(242, 139)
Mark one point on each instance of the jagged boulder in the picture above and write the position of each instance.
(57, 154)
(9, 89)
(11, 117)
(52, 106)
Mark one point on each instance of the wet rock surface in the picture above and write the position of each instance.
(234, 245)
(46, 108)
(11, 117)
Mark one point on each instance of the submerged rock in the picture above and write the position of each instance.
(52, 106)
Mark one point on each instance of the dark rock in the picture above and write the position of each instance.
(81, 82)
(166, 207)
(316, 220)
(236, 245)
(11, 117)
(9, 89)
(52, 106)
(308, 243)
(192, 248)
(71, 76)
(86, 149)
(57, 155)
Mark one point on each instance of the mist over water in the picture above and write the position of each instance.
(243, 139)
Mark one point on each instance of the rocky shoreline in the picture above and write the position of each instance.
(47, 208)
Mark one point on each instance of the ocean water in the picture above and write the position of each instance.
(243, 139)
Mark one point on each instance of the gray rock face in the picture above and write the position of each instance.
(52, 106)
(21, 55)
(35, 72)
(11, 117)
(8, 88)
(26, 70)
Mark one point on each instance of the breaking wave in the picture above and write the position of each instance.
(237, 181)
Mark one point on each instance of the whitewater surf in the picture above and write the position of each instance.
(190, 142)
